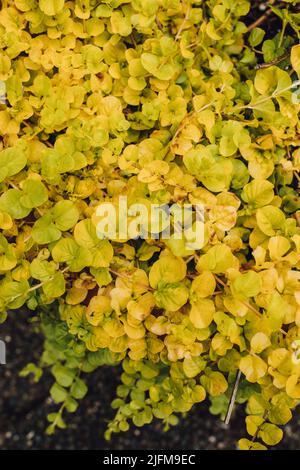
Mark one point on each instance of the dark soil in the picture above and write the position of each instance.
(24, 406)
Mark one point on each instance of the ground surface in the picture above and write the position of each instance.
(23, 409)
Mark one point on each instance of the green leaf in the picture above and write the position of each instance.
(279, 414)
(270, 219)
(42, 269)
(269, 50)
(32, 369)
(65, 215)
(258, 193)
(213, 171)
(10, 202)
(63, 375)
(154, 65)
(171, 296)
(66, 250)
(168, 269)
(34, 193)
(192, 366)
(8, 259)
(78, 389)
(85, 235)
(44, 231)
(71, 405)
(102, 276)
(55, 287)
(12, 161)
(247, 285)
(214, 383)
(256, 36)
(270, 434)
(13, 293)
(218, 259)
(58, 393)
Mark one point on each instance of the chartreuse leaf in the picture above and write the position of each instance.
(55, 286)
(42, 269)
(101, 250)
(258, 193)
(58, 393)
(270, 219)
(8, 258)
(246, 285)
(171, 296)
(102, 276)
(270, 434)
(293, 386)
(56, 420)
(279, 413)
(178, 247)
(5, 221)
(259, 342)
(253, 423)
(202, 313)
(51, 7)
(213, 171)
(66, 250)
(167, 269)
(203, 286)
(63, 375)
(13, 293)
(155, 66)
(10, 202)
(218, 259)
(65, 215)
(253, 367)
(295, 58)
(12, 161)
(256, 36)
(44, 230)
(278, 247)
(48, 228)
(31, 368)
(34, 193)
(233, 137)
(246, 444)
(193, 366)
(71, 404)
(214, 383)
(240, 175)
(78, 389)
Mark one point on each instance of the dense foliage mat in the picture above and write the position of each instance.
(161, 101)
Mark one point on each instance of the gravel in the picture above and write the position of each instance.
(24, 406)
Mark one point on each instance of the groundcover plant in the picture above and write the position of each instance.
(161, 101)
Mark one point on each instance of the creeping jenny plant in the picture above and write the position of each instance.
(161, 101)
